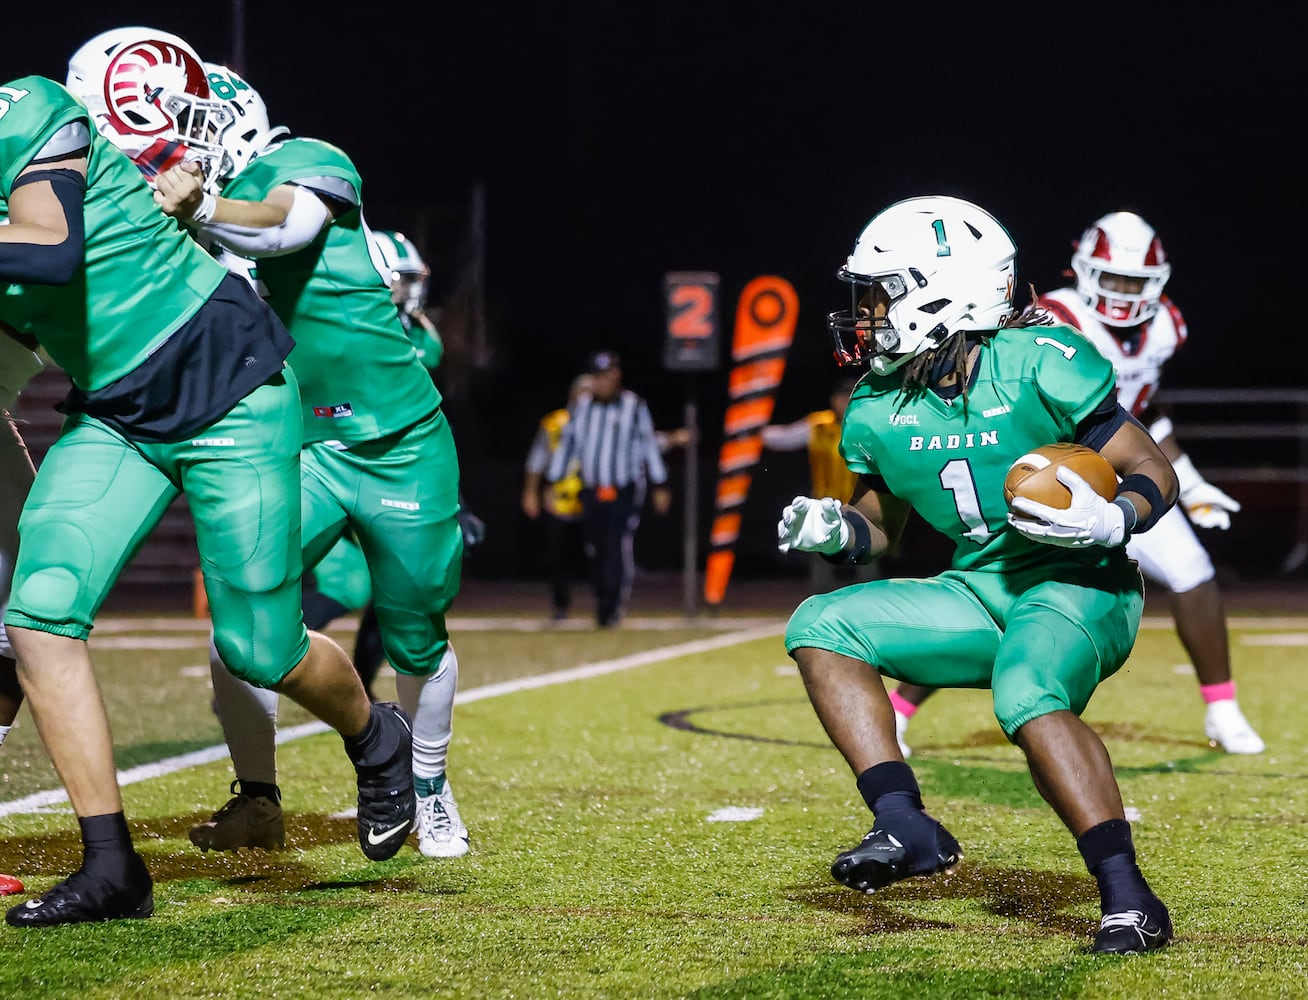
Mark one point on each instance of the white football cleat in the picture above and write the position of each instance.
(441, 833)
(1227, 728)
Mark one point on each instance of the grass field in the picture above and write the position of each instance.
(662, 826)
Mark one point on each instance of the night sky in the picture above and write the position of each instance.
(617, 141)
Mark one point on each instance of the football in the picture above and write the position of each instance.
(1034, 475)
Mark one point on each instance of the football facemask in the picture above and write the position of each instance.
(921, 271)
(147, 92)
(1121, 269)
(407, 271)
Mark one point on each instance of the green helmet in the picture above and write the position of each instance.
(405, 270)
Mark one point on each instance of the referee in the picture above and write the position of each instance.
(611, 433)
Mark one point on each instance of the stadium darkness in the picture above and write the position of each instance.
(616, 141)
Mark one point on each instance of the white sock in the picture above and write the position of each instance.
(249, 719)
(4, 731)
(430, 703)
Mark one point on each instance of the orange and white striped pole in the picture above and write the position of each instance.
(765, 327)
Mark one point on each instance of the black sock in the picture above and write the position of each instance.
(890, 786)
(1110, 857)
(107, 851)
(362, 743)
(261, 789)
(375, 745)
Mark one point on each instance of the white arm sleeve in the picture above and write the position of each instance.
(787, 437)
(305, 220)
(1161, 429)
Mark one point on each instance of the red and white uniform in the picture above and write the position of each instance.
(1169, 552)
(1152, 344)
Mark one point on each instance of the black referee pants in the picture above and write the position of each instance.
(608, 527)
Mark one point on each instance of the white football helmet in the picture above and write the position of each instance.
(922, 270)
(146, 90)
(1121, 245)
(407, 270)
(250, 132)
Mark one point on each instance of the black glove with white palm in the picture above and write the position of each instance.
(810, 524)
(1089, 520)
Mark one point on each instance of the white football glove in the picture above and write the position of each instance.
(1207, 506)
(1090, 520)
(812, 525)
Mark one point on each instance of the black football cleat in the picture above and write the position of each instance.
(83, 898)
(883, 858)
(1132, 932)
(387, 803)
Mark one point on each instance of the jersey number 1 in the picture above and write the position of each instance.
(957, 477)
(13, 95)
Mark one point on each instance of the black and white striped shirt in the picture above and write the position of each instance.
(615, 442)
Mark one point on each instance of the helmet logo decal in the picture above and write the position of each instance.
(1102, 246)
(137, 75)
(942, 245)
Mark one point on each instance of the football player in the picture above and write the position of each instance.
(342, 575)
(18, 363)
(1039, 609)
(178, 386)
(379, 459)
(1119, 306)
(408, 274)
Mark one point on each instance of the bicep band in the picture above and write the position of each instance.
(49, 263)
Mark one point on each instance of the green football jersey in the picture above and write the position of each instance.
(948, 459)
(360, 377)
(142, 276)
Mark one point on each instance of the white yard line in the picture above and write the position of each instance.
(758, 628)
(490, 623)
(39, 801)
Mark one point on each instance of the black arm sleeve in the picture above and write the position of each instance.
(39, 264)
(1097, 428)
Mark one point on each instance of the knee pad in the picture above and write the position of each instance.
(259, 640)
(53, 587)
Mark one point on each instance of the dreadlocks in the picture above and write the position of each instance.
(931, 365)
(925, 370)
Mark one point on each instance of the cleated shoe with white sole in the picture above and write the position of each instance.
(1227, 728)
(1133, 932)
(387, 803)
(441, 832)
(883, 858)
(251, 821)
